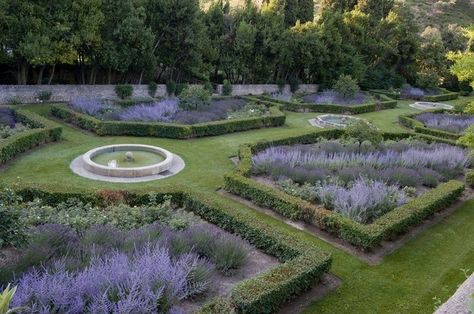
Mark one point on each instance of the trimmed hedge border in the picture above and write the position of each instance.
(364, 236)
(445, 96)
(384, 103)
(44, 131)
(303, 263)
(410, 122)
(167, 130)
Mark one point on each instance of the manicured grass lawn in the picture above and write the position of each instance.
(406, 282)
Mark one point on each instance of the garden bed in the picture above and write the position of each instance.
(164, 119)
(400, 210)
(302, 264)
(373, 103)
(439, 123)
(413, 93)
(24, 131)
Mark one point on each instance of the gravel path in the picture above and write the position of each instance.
(460, 302)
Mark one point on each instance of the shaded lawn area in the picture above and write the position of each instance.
(407, 281)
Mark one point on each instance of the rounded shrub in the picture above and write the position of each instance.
(124, 91)
(152, 87)
(227, 88)
(194, 97)
(171, 87)
(346, 86)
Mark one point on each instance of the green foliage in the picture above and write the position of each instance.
(226, 88)
(171, 87)
(346, 86)
(152, 87)
(41, 131)
(167, 130)
(45, 95)
(470, 178)
(180, 87)
(6, 298)
(294, 84)
(194, 97)
(362, 131)
(208, 87)
(12, 229)
(124, 91)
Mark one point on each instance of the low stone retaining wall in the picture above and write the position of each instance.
(64, 93)
(461, 301)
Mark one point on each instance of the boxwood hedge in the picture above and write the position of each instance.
(42, 131)
(410, 122)
(302, 263)
(382, 103)
(167, 130)
(444, 96)
(365, 236)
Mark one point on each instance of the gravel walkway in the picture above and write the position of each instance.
(461, 301)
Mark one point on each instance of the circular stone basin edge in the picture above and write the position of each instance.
(137, 172)
(424, 105)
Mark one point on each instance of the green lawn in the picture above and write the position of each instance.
(407, 281)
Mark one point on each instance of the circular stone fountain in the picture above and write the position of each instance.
(424, 105)
(334, 121)
(127, 163)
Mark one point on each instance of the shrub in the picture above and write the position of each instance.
(362, 131)
(171, 87)
(14, 101)
(446, 122)
(7, 117)
(281, 84)
(229, 254)
(87, 105)
(163, 111)
(294, 84)
(346, 86)
(408, 92)
(124, 91)
(226, 88)
(470, 178)
(194, 97)
(45, 95)
(152, 87)
(180, 87)
(208, 87)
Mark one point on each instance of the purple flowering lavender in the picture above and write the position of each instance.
(88, 106)
(148, 281)
(335, 98)
(7, 118)
(446, 122)
(409, 92)
(163, 111)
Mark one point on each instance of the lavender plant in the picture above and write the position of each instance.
(363, 200)
(446, 122)
(409, 92)
(88, 106)
(7, 117)
(163, 111)
(335, 98)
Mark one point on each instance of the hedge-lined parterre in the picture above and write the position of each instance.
(42, 131)
(167, 130)
(302, 263)
(409, 121)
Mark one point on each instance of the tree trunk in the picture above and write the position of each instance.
(40, 75)
(141, 77)
(51, 75)
(109, 76)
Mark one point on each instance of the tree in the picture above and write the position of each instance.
(244, 49)
(431, 61)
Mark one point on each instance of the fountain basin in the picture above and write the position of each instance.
(333, 120)
(95, 161)
(424, 105)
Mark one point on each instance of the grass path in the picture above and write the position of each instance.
(406, 282)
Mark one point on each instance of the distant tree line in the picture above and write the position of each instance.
(377, 42)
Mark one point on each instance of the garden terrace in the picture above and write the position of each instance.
(360, 228)
(414, 93)
(374, 103)
(35, 130)
(165, 119)
(302, 264)
(438, 123)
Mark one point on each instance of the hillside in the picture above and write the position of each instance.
(427, 12)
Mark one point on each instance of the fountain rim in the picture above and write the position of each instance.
(94, 167)
(427, 105)
(320, 118)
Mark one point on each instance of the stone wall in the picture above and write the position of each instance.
(64, 93)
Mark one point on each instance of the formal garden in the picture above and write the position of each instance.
(235, 157)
